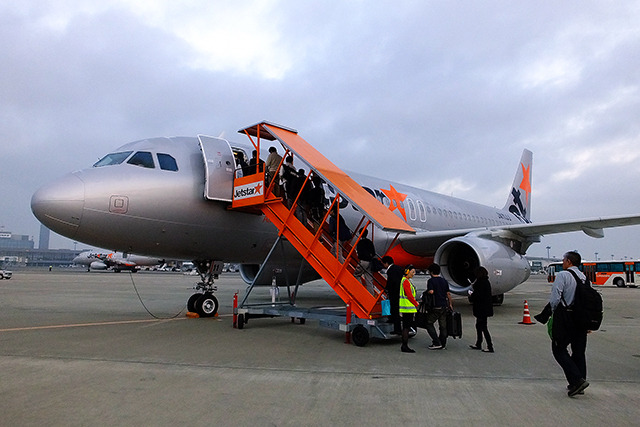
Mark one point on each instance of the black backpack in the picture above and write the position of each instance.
(587, 305)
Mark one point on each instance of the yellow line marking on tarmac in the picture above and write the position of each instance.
(80, 325)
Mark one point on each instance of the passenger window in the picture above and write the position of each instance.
(112, 159)
(142, 158)
(421, 211)
(412, 209)
(167, 162)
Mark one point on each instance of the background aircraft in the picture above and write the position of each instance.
(169, 197)
(117, 261)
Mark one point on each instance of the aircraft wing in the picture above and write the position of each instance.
(593, 227)
(427, 242)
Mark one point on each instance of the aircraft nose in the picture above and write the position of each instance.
(59, 204)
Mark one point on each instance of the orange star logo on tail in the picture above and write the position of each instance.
(395, 200)
(526, 180)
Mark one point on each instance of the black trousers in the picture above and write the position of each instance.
(408, 321)
(483, 329)
(574, 365)
(394, 302)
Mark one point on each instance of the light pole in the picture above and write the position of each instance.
(596, 255)
(548, 257)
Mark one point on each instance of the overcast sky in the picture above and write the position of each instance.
(440, 95)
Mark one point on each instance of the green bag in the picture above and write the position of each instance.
(550, 327)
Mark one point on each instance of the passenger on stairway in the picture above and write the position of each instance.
(255, 165)
(340, 233)
(241, 165)
(272, 163)
(317, 200)
(365, 251)
(303, 186)
(289, 178)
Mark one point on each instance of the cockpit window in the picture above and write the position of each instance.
(142, 158)
(112, 159)
(167, 162)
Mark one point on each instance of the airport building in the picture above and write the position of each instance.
(8, 240)
(17, 250)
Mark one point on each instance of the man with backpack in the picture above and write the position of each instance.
(566, 331)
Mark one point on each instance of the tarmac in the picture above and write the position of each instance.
(79, 349)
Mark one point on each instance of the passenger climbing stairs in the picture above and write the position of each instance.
(336, 263)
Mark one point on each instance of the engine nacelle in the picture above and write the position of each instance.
(98, 265)
(460, 256)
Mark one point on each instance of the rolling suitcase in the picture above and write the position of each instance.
(454, 324)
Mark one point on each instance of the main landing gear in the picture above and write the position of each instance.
(203, 301)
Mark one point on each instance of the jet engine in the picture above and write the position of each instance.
(98, 265)
(460, 256)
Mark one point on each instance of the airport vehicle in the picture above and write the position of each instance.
(5, 274)
(620, 273)
(117, 261)
(178, 198)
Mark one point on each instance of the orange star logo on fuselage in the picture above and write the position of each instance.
(395, 200)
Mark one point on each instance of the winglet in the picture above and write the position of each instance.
(519, 199)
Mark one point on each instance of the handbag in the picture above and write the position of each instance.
(385, 305)
(562, 324)
(428, 301)
(421, 316)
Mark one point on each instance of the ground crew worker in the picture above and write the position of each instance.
(407, 306)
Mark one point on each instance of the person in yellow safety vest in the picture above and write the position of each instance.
(407, 306)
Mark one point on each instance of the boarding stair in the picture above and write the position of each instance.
(336, 263)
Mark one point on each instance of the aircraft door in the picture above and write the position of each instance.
(219, 167)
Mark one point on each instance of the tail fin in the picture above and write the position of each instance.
(519, 199)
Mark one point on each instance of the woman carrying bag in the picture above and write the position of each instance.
(482, 308)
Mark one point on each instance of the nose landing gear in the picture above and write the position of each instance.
(204, 301)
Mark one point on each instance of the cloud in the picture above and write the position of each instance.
(441, 95)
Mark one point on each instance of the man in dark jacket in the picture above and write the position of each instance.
(366, 251)
(339, 231)
(439, 288)
(394, 277)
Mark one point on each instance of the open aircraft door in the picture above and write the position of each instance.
(219, 167)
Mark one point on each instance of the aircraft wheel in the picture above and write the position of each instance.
(497, 299)
(191, 303)
(241, 321)
(360, 336)
(207, 305)
(619, 282)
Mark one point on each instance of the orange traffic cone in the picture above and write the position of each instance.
(526, 318)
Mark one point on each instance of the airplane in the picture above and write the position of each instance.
(117, 261)
(170, 196)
